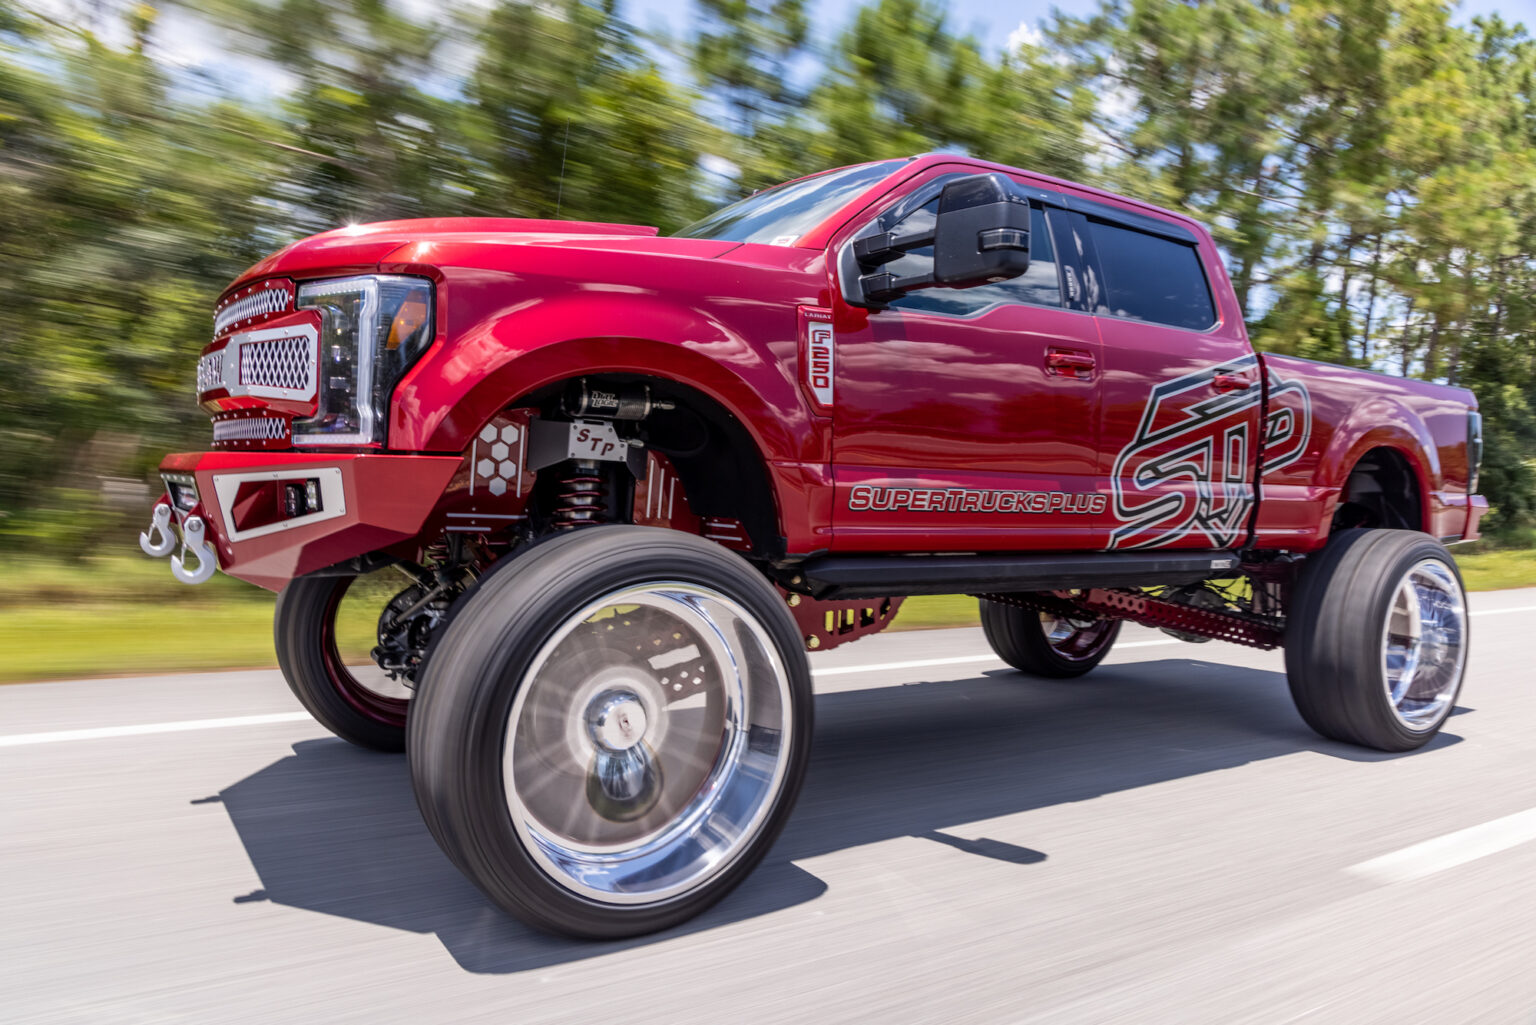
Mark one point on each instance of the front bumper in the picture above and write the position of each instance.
(359, 503)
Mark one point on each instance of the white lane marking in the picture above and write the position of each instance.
(103, 732)
(144, 729)
(918, 663)
(1450, 850)
(924, 663)
(1495, 612)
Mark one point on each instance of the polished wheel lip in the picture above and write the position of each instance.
(1429, 607)
(381, 708)
(1075, 640)
(602, 874)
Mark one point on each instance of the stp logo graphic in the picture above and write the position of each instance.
(1188, 469)
(596, 440)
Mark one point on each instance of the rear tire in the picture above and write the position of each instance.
(304, 632)
(1376, 644)
(1041, 644)
(613, 730)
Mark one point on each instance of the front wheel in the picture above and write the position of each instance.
(613, 731)
(313, 627)
(1045, 644)
(1376, 643)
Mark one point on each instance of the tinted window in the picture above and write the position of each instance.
(780, 215)
(1153, 279)
(1037, 286)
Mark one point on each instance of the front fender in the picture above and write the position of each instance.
(443, 402)
(446, 400)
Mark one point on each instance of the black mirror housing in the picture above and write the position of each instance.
(982, 234)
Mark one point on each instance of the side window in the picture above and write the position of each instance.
(1150, 278)
(1037, 286)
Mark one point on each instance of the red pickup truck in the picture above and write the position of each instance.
(625, 481)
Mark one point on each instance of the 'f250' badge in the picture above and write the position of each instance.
(817, 356)
(1189, 468)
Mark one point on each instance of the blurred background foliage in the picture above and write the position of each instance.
(1368, 166)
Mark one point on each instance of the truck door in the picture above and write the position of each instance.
(966, 419)
(1178, 422)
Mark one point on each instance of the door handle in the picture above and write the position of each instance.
(1068, 363)
(1230, 382)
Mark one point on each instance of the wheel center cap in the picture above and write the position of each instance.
(616, 720)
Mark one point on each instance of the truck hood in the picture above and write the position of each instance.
(360, 248)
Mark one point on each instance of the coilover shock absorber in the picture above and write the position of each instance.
(582, 498)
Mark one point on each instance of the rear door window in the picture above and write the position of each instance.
(1150, 278)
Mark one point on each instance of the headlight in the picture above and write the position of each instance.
(371, 330)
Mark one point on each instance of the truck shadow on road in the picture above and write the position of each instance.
(334, 829)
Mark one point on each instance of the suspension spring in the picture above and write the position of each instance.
(582, 498)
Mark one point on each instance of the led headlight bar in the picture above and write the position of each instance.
(372, 328)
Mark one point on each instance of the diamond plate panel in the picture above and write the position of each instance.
(285, 363)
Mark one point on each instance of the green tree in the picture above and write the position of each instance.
(571, 119)
(900, 82)
(374, 143)
(743, 50)
(126, 215)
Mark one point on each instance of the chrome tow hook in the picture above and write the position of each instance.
(159, 540)
(194, 540)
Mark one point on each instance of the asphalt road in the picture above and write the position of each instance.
(1163, 841)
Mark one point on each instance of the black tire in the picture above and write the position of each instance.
(1021, 638)
(1339, 639)
(512, 628)
(303, 627)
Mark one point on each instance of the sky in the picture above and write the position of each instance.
(183, 40)
(987, 18)
(990, 20)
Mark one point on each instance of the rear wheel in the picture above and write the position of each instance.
(1376, 645)
(1045, 644)
(613, 731)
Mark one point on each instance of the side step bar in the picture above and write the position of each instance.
(874, 576)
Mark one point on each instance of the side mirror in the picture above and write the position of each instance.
(981, 235)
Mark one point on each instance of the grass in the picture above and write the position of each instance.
(1498, 569)
(120, 578)
(124, 615)
(71, 641)
(933, 611)
(1488, 570)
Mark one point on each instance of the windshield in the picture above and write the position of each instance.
(780, 215)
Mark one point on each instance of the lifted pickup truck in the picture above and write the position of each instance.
(625, 481)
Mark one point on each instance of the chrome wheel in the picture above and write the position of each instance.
(1077, 640)
(322, 630)
(647, 742)
(1046, 645)
(367, 688)
(1424, 644)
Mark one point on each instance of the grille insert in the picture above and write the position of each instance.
(252, 428)
(285, 363)
(266, 301)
